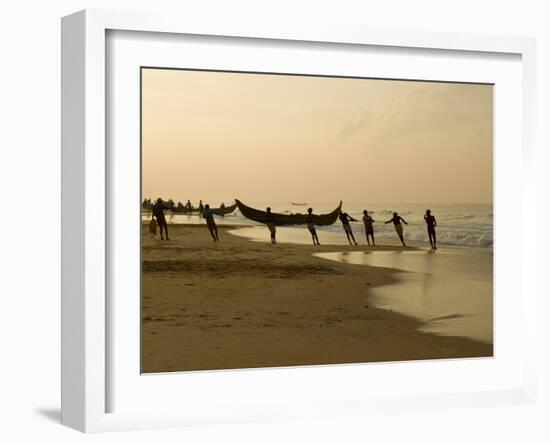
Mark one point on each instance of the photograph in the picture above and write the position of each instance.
(302, 220)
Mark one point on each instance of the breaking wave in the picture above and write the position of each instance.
(458, 225)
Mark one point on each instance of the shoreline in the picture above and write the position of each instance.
(246, 304)
(382, 234)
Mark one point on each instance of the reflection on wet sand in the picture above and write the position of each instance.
(451, 291)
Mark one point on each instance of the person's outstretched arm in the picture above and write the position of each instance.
(404, 221)
(389, 221)
(351, 219)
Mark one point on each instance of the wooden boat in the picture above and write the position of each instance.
(224, 210)
(288, 220)
(221, 211)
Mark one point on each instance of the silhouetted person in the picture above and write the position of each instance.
(201, 208)
(158, 214)
(311, 226)
(396, 220)
(153, 228)
(208, 215)
(431, 223)
(345, 218)
(188, 205)
(270, 221)
(369, 229)
(222, 206)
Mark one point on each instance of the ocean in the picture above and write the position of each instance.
(468, 225)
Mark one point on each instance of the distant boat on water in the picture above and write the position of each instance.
(221, 211)
(281, 219)
(298, 204)
(216, 210)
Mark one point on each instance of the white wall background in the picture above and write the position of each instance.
(30, 184)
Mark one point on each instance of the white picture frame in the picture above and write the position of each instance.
(85, 310)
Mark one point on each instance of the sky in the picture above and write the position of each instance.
(217, 136)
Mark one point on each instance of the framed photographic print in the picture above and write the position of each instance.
(264, 223)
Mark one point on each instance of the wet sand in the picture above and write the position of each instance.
(243, 304)
(450, 290)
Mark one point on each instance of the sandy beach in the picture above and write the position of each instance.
(241, 304)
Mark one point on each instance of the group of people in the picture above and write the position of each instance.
(369, 228)
(368, 221)
(157, 214)
(188, 206)
(159, 219)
